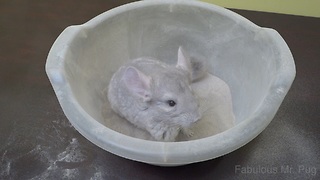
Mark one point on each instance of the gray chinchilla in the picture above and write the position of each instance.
(157, 97)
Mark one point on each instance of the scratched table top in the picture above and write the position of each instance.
(38, 142)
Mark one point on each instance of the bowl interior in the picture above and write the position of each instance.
(238, 54)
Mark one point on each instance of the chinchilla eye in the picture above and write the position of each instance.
(171, 103)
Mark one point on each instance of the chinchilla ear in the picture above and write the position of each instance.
(184, 61)
(196, 68)
(137, 82)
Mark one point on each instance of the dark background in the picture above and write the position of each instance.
(37, 141)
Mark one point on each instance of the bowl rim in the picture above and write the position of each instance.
(154, 152)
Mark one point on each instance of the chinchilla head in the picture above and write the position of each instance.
(166, 95)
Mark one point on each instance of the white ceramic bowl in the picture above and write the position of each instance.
(255, 62)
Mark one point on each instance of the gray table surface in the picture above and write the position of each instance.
(38, 142)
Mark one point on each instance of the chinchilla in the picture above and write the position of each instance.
(157, 97)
